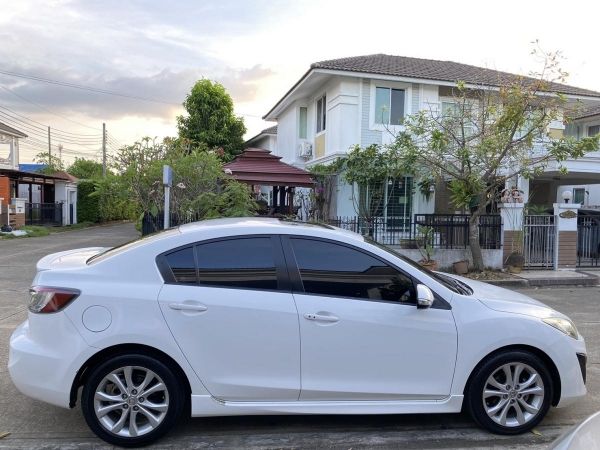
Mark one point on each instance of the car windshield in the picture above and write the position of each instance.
(451, 283)
(131, 244)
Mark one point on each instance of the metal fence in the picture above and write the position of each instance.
(588, 241)
(43, 214)
(539, 240)
(448, 231)
(152, 223)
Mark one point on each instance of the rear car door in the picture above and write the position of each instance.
(228, 305)
(363, 338)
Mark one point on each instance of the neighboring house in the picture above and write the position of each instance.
(29, 197)
(266, 139)
(361, 100)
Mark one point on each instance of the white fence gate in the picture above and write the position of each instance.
(539, 240)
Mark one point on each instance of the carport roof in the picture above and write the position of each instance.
(258, 166)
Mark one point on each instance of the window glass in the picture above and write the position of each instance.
(183, 266)
(593, 130)
(397, 109)
(321, 113)
(579, 195)
(331, 269)
(241, 263)
(302, 123)
(382, 105)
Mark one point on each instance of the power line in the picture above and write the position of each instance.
(46, 109)
(84, 88)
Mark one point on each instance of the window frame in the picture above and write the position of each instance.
(406, 87)
(321, 120)
(298, 287)
(281, 271)
(592, 125)
(302, 126)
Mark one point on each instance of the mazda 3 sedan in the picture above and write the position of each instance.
(262, 316)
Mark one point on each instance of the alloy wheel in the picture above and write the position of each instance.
(131, 401)
(513, 394)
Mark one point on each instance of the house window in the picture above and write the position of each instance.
(389, 106)
(452, 111)
(321, 113)
(593, 130)
(579, 195)
(302, 122)
(391, 201)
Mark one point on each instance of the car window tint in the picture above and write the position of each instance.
(241, 263)
(331, 269)
(183, 266)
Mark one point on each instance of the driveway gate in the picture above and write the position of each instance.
(588, 241)
(539, 237)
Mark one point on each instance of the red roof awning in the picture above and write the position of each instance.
(259, 167)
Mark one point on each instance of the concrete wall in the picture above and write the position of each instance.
(445, 257)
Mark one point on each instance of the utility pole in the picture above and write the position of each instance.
(49, 148)
(103, 150)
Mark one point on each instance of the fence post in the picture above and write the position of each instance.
(512, 228)
(565, 247)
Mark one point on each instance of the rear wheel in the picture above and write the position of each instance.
(131, 400)
(510, 393)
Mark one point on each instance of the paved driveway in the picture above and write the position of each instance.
(36, 425)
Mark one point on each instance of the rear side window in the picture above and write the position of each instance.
(331, 269)
(237, 263)
(183, 266)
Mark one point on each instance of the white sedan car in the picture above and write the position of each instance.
(263, 316)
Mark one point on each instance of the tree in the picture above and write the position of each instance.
(85, 169)
(52, 163)
(489, 137)
(211, 120)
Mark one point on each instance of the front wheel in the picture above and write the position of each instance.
(510, 393)
(131, 400)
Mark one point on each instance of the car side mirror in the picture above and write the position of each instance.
(424, 296)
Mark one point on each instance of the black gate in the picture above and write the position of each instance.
(588, 241)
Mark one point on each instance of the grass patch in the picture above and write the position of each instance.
(35, 231)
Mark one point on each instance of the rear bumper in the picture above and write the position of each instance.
(44, 369)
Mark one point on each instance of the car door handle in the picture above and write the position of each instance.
(188, 307)
(321, 318)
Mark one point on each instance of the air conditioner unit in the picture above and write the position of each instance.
(305, 149)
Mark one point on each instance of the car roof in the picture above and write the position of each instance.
(250, 225)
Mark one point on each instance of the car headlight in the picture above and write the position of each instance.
(564, 325)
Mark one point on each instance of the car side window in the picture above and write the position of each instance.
(182, 265)
(327, 268)
(237, 263)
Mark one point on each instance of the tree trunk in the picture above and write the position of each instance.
(474, 242)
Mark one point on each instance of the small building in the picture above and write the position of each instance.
(28, 197)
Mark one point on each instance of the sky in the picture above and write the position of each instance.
(256, 48)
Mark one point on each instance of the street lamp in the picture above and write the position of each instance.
(567, 195)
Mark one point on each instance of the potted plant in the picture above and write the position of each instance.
(425, 245)
(515, 260)
(461, 267)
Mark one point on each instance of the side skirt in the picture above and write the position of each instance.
(206, 406)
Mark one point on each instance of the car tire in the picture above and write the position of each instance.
(132, 400)
(512, 404)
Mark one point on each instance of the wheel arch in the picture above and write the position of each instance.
(554, 374)
(122, 349)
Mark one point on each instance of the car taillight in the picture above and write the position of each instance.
(50, 299)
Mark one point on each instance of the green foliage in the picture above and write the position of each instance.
(88, 209)
(324, 176)
(53, 163)
(85, 169)
(425, 242)
(114, 202)
(211, 121)
(200, 186)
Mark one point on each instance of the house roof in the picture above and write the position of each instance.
(65, 176)
(270, 130)
(430, 69)
(259, 167)
(12, 131)
(588, 112)
(11, 173)
(426, 69)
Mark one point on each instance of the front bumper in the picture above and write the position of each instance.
(43, 365)
(570, 362)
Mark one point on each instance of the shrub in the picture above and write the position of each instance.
(88, 208)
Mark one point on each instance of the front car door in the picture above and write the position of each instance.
(228, 307)
(362, 336)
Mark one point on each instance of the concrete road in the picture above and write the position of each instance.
(35, 425)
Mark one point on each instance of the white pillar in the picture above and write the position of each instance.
(565, 245)
(512, 228)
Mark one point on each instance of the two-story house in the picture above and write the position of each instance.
(361, 100)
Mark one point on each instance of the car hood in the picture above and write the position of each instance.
(505, 300)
